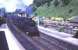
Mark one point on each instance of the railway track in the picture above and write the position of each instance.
(30, 43)
(33, 43)
(46, 43)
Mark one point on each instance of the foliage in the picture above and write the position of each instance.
(55, 3)
(38, 3)
(41, 2)
(66, 11)
(66, 2)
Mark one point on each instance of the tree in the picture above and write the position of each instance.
(56, 3)
(65, 2)
(42, 2)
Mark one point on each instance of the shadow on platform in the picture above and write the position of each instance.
(3, 41)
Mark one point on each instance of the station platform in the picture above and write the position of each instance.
(13, 43)
(59, 35)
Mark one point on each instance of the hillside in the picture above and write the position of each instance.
(69, 10)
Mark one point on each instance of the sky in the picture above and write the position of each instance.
(12, 5)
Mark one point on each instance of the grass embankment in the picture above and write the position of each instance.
(67, 11)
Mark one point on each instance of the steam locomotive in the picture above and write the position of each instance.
(25, 24)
